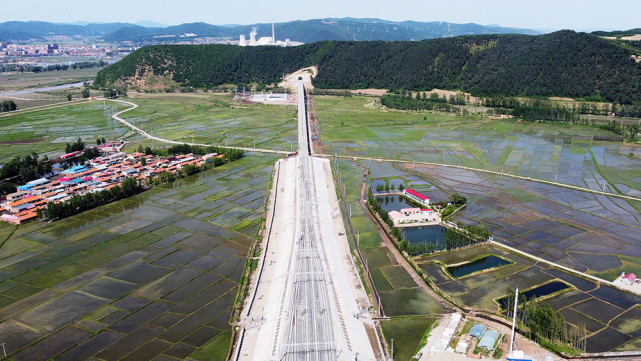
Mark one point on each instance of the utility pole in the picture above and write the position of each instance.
(392, 353)
(4, 350)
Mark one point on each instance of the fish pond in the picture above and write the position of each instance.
(393, 203)
(540, 291)
(426, 234)
(480, 264)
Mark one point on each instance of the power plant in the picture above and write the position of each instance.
(264, 40)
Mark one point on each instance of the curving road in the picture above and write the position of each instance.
(352, 157)
(149, 136)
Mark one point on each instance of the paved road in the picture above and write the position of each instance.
(140, 131)
(308, 333)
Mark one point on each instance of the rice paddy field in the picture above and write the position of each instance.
(611, 316)
(46, 131)
(154, 275)
(46, 78)
(591, 233)
(594, 234)
(577, 155)
(214, 118)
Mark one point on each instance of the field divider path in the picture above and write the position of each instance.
(44, 107)
(561, 267)
(351, 157)
(355, 157)
(149, 136)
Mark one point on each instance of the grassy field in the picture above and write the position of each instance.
(204, 118)
(358, 126)
(46, 78)
(407, 333)
(152, 275)
(215, 118)
(47, 131)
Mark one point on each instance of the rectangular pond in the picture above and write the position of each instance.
(540, 291)
(426, 234)
(393, 203)
(480, 264)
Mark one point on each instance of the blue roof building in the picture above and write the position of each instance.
(489, 340)
(477, 330)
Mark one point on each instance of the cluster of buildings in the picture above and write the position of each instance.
(101, 173)
(265, 40)
(485, 338)
(54, 49)
(411, 217)
(20, 49)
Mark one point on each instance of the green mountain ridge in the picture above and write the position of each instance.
(301, 30)
(563, 63)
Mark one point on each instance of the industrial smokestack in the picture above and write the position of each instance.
(252, 37)
(273, 34)
(243, 41)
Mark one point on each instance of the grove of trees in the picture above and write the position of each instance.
(8, 106)
(24, 169)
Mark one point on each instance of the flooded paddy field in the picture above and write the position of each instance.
(578, 155)
(47, 131)
(153, 275)
(587, 232)
(597, 234)
(215, 119)
(607, 312)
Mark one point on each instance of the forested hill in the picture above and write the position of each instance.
(563, 63)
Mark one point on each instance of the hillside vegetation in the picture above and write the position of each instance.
(563, 63)
(306, 31)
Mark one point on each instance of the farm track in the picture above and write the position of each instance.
(352, 157)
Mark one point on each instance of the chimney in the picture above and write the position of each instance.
(273, 34)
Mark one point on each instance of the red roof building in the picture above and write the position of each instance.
(416, 196)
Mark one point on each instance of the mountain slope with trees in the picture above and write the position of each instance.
(563, 63)
(306, 31)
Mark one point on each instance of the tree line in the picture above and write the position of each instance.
(54, 67)
(529, 110)
(77, 203)
(25, 169)
(563, 63)
(131, 186)
(407, 102)
(230, 154)
(544, 323)
(465, 236)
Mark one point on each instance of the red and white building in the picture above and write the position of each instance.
(416, 196)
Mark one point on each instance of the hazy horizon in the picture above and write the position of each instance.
(543, 15)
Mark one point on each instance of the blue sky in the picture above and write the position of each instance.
(533, 14)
